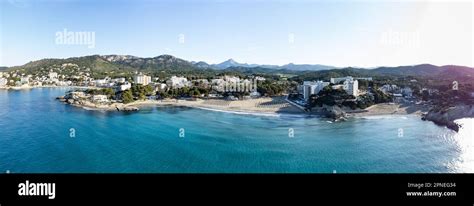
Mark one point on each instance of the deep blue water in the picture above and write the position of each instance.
(35, 137)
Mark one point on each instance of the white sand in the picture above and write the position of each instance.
(259, 105)
(391, 109)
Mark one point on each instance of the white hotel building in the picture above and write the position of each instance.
(351, 87)
(177, 82)
(3, 81)
(312, 87)
(142, 79)
(350, 84)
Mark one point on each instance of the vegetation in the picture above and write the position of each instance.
(380, 97)
(104, 91)
(141, 91)
(127, 96)
(272, 88)
(339, 97)
(329, 96)
(278, 81)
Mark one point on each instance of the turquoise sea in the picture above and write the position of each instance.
(36, 130)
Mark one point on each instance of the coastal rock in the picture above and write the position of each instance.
(446, 117)
(333, 112)
(130, 109)
(85, 103)
(61, 99)
(127, 109)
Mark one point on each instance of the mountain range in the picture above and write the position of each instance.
(295, 67)
(168, 63)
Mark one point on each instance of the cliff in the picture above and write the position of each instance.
(446, 116)
(333, 112)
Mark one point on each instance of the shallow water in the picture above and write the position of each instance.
(35, 136)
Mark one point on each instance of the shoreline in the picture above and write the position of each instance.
(266, 106)
(48, 86)
(269, 106)
(272, 107)
(390, 109)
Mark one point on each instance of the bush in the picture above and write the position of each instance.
(127, 96)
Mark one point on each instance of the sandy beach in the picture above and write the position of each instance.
(263, 105)
(268, 105)
(278, 105)
(390, 109)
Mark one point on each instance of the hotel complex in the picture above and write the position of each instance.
(349, 84)
(313, 87)
(142, 79)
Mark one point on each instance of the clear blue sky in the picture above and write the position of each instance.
(345, 33)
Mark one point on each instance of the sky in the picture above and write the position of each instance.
(337, 33)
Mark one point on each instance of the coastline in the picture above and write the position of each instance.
(47, 86)
(271, 106)
(275, 106)
(159, 126)
(390, 109)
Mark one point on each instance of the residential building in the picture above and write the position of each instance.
(351, 87)
(142, 79)
(387, 88)
(312, 87)
(53, 76)
(24, 80)
(102, 82)
(160, 87)
(3, 81)
(124, 86)
(177, 82)
(99, 98)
